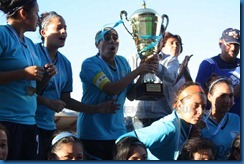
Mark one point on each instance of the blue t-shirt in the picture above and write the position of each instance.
(222, 133)
(60, 83)
(221, 68)
(15, 104)
(95, 73)
(163, 138)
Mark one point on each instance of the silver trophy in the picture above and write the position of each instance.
(147, 28)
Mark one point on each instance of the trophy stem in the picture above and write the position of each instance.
(149, 78)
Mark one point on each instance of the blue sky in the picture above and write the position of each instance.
(199, 23)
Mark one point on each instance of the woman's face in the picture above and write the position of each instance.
(222, 97)
(3, 145)
(70, 151)
(172, 47)
(138, 153)
(191, 108)
(205, 154)
(31, 21)
(55, 32)
(109, 46)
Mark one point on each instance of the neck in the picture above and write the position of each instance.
(109, 61)
(18, 28)
(217, 116)
(52, 52)
(226, 58)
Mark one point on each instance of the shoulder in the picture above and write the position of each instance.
(121, 58)
(233, 117)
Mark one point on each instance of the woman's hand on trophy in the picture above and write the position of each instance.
(146, 67)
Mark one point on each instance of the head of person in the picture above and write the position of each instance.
(220, 94)
(190, 102)
(171, 44)
(53, 28)
(107, 41)
(130, 148)
(230, 44)
(3, 142)
(66, 146)
(197, 149)
(24, 11)
(235, 152)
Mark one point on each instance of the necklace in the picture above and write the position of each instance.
(109, 70)
(219, 124)
(31, 90)
(57, 87)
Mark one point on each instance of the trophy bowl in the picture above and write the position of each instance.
(147, 28)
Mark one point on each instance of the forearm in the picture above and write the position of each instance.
(120, 85)
(77, 106)
(42, 84)
(10, 76)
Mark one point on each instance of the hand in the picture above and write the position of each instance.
(33, 73)
(51, 69)
(56, 105)
(146, 67)
(108, 107)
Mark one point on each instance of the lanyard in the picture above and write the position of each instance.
(45, 52)
(118, 76)
(29, 62)
(219, 125)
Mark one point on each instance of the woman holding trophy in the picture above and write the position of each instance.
(106, 76)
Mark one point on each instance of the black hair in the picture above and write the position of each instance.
(194, 145)
(123, 149)
(9, 7)
(44, 20)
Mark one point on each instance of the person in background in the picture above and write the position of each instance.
(107, 76)
(130, 148)
(170, 47)
(164, 138)
(197, 149)
(55, 96)
(19, 71)
(235, 152)
(66, 146)
(3, 142)
(225, 64)
(219, 125)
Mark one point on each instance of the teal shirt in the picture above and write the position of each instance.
(163, 138)
(94, 74)
(15, 104)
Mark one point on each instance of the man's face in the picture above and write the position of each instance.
(229, 50)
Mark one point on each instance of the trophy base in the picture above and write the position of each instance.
(149, 92)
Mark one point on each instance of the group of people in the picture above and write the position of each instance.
(36, 82)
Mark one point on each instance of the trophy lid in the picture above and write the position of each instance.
(144, 10)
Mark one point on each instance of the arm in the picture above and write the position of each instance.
(54, 104)
(72, 104)
(28, 73)
(168, 71)
(204, 72)
(120, 85)
(50, 71)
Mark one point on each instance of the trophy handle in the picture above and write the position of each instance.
(163, 28)
(123, 12)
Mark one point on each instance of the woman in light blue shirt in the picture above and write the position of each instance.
(165, 137)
